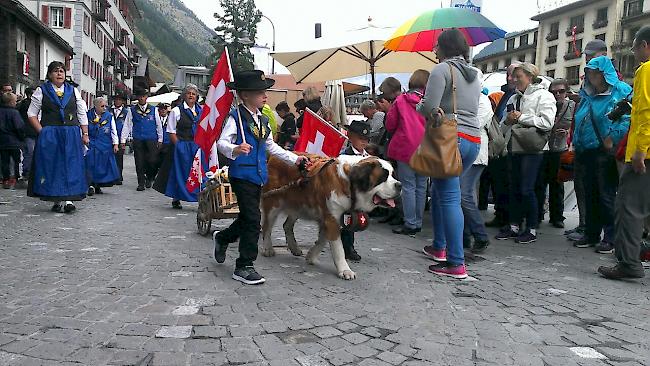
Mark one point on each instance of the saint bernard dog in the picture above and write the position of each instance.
(344, 184)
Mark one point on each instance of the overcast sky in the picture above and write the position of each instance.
(294, 19)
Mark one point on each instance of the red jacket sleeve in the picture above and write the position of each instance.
(393, 116)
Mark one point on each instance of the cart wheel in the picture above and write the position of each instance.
(203, 219)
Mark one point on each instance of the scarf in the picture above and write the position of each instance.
(60, 100)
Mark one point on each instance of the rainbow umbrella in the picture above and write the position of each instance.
(421, 33)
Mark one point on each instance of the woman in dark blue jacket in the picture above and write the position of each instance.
(12, 135)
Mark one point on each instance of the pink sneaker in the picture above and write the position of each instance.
(438, 255)
(444, 269)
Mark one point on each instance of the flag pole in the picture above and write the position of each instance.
(236, 99)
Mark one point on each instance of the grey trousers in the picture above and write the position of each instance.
(632, 209)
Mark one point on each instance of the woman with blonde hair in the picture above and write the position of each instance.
(312, 101)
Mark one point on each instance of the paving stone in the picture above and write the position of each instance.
(340, 357)
(174, 332)
(391, 357)
(355, 338)
(240, 356)
(202, 346)
(371, 362)
(208, 331)
(361, 350)
(326, 332)
(311, 361)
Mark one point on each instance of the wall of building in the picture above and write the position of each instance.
(559, 68)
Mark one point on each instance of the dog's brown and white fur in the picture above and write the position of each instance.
(323, 199)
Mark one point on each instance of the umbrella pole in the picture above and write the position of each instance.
(372, 69)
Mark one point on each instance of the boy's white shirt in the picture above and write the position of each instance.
(226, 143)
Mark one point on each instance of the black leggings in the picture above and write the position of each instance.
(6, 155)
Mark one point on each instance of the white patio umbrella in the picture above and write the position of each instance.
(334, 97)
(163, 98)
(352, 53)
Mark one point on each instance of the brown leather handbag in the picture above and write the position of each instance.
(438, 155)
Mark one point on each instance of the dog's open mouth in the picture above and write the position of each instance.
(386, 202)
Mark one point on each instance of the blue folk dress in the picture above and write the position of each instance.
(58, 167)
(101, 166)
(172, 178)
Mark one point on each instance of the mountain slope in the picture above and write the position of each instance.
(171, 35)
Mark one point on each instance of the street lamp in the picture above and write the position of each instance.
(273, 45)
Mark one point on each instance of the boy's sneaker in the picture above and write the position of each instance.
(438, 255)
(605, 248)
(248, 275)
(446, 269)
(219, 248)
(526, 238)
(583, 243)
(506, 234)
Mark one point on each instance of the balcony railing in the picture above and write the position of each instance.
(579, 29)
(99, 10)
(573, 81)
(551, 37)
(600, 23)
(572, 56)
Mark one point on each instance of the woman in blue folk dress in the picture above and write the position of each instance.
(58, 169)
(181, 126)
(101, 165)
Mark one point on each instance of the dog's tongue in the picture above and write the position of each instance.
(390, 202)
(378, 200)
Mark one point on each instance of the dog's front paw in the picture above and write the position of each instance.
(347, 275)
(267, 252)
(296, 252)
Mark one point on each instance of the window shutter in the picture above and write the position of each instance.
(45, 15)
(67, 18)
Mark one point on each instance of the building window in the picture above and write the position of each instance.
(534, 59)
(495, 66)
(632, 8)
(56, 17)
(555, 30)
(573, 52)
(21, 41)
(601, 14)
(523, 40)
(578, 22)
(522, 57)
(552, 55)
(550, 74)
(573, 75)
(484, 68)
(510, 44)
(86, 25)
(601, 37)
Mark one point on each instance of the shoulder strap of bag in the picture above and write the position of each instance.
(453, 89)
(596, 130)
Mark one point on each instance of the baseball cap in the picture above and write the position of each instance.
(595, 46)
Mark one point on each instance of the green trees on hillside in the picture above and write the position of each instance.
(237, 30)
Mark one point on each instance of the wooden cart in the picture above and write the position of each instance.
(216, 201)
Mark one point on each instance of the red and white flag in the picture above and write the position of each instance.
(217, 106)
(319, 137)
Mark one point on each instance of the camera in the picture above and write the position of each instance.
(621, 108)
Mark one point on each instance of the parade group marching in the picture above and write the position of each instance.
(514, 144)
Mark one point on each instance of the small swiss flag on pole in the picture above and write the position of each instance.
(319, 137)
(217, 106)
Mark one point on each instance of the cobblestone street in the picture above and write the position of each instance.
(126, 280)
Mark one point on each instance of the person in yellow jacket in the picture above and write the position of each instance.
(633, 199)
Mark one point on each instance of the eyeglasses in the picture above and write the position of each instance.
(558, 91)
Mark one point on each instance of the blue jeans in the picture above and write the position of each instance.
(474, 225)
(523, 200)
(414, 195)
(446, 212)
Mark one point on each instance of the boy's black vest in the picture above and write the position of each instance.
(250, 167)
(50, 115)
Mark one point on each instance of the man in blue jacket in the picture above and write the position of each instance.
(143, 124)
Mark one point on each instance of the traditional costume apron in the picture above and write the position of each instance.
(58, 168)
(100, 160)
(172, 178)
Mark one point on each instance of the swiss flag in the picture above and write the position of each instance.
(217, 106)
(319, 137)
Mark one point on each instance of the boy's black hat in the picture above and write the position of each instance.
(360, 128)
(120, 94)
(140, 92)
(250, 80)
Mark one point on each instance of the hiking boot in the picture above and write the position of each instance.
(140, 188)
(248, 275)
(446, 269)
(176, 204)
(577, 229)
(438, 255)
(575, 236)
(583, 243)
(219, 248)
(526, 238)
(352, 255)
(605, 248)
(480, 246)
(618, 272)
